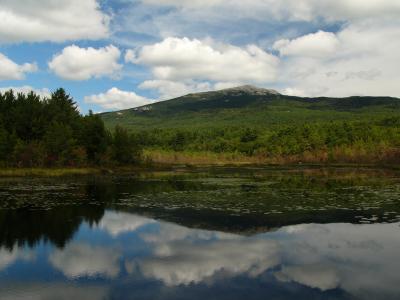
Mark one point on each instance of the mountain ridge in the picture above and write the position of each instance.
(248, 105)
(233, 91)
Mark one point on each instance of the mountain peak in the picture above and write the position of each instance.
(250, 89)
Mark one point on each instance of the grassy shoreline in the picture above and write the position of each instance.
(160, 160)
(162, 167)
(318, 158)
(48, 172)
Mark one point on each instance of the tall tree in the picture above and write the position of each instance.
(59, 143)
(60, 107)
(125, 149)
(94, 137)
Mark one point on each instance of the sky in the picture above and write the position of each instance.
(117, 54)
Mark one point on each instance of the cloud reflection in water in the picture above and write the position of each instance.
(127, 251)
(77, 260)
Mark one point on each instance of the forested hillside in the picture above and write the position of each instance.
(253, 122)
(37, 132)
(252, 106)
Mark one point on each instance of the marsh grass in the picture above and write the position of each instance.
(199, 158)
(47, 172)
(156, 160)
(340, 155)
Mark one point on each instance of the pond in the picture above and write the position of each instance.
(216, 233)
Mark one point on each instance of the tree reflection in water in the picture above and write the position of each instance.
(241, 202)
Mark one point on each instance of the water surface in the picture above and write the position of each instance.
(206, 234)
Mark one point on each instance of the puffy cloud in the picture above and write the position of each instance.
(52, 20)
(117, 223)
(318, 44)
(26, 89)
(171, 89)
(365, 62)
(75, 63)
(77, 260)
(226, 85)
(114, 98)
(11, 70)
(181, 66)
(180, 59)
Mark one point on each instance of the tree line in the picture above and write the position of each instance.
(47, 132)
(322, 141)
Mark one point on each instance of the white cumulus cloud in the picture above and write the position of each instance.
(360, 59)
(75, 63)
(11, 70)
(183, 58)
(181, 65)
(179, 59)
(172, 89)
(49, 20)
(318, 44)
(115, 98)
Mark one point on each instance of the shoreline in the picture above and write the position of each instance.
(47, 172)
(178, 168)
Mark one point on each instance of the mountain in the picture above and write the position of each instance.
(250, 106)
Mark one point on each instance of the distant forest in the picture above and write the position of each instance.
(366, 141)
(50, 132)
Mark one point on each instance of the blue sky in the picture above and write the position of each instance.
(116, 54)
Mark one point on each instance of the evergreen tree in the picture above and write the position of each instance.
(125, 150)
(59, 143)
(3, 144)
(61, 108)
(94, 137)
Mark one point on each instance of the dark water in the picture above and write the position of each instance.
(205, 234)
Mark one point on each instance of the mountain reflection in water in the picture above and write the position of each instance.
(192, 237)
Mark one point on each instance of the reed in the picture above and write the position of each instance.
(339, 155)
(47, 172)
